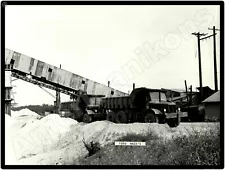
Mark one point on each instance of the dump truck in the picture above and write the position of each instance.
(142, 105)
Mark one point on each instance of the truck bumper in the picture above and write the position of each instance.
(174, 115)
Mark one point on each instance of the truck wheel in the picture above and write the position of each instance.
(110, 117)
(174, 122)
(121, 117)
(87, 118)
(151, 118)
(162, 119)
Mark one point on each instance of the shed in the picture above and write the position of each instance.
(207, 91)
(212, 106)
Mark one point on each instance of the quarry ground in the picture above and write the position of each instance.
(52, 140)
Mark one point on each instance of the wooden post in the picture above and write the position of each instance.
(191, 95)
(108, 83)
(133, 86)
(186, 89)
(58, 102)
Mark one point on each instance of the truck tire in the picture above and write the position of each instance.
(111, 117)
(87, 118)
(151, 118)
(121, 117)
(162, 119)
(174, 122)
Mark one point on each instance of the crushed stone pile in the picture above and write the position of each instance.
(29, 136)
(8, 121)
(54, 140)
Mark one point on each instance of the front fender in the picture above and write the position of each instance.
(156, 111)
(90, 112)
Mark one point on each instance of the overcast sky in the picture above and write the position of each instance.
(149, 45)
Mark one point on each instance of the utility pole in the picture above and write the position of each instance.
(198, 35)
(215, 65)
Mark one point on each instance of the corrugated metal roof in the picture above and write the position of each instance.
(213, 98)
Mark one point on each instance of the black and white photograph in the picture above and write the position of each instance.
(112, 85)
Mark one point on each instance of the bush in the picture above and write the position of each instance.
(198, 149)
(194, 149)
(39, 109)
(92, 147)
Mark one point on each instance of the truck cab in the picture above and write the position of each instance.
(155, 107)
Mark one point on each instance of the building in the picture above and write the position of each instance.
(206, 91)
(212, 107)
(179, 96)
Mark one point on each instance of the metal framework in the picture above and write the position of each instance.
(46, 85)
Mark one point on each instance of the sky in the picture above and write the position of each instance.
(150, 46)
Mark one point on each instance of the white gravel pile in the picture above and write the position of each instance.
(8, 121)
(28, 136)
(55, 140)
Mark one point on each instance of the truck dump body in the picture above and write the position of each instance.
(117, 102)
(137, 99)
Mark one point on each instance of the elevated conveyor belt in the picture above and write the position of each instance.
(46, 85)
(40, 73)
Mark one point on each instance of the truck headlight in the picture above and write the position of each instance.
(178, 109)
(164, 110)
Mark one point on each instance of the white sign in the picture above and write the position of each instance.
(8, 79)
(130, 143)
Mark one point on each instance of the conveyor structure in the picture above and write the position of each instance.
(43, 74)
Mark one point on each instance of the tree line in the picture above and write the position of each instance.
(39, 109)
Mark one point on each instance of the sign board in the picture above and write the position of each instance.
(130, 143)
